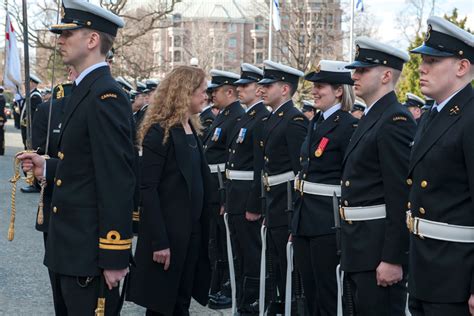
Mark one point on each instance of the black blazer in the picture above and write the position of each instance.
(374, 172)
(246, 155)
(216, 148)
(167, 222)
(314, 214)
(283, 133)
(39, 134)
(90, 227)
(443, 156)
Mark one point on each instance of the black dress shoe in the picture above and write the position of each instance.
(220, 301)
(30, 189)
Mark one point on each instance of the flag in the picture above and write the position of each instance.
(276, 15)
(12, 72)
(361, 4)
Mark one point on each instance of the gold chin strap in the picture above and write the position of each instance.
(29, 180)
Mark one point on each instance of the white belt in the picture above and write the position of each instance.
(363, 213)
(317, 188)
(440, 231)
(239, 175)
(214, 167)
(279, 178)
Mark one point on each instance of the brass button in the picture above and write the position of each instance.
(55, 209)
(409, 205)
(348, 183)
(424, 184)
(304, 176)
(230, 150)
(232, 165)
(58, 182)
(409, 181)
(346, 203)
(342, 182)
(422, 210)
(233, 151)
(61, 155)
(307, 159)
(301, 159)
(261, 143)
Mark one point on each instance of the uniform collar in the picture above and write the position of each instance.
(88, 71)
(440, 106)
(333, 109)
(276, 110)
(250, 107)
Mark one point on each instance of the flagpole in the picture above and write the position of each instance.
(27, 76)
(351, 36)
(270, 31)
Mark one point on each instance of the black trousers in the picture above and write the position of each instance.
(422, 308)
(23, 135)
(2, 141)
(373, 300)
(316, 259)
(246, 248)
(277, 239)
(217, 250)
(185, 290)
(78, 295)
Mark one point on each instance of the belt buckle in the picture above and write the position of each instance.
(342, 214)
(265, 181)
(301, 183)
(227, 174)
(410, 222)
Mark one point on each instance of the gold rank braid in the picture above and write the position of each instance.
(29, 180)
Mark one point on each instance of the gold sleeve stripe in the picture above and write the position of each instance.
(115, 242)
(115, 247)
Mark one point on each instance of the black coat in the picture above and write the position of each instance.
(283, 133)
(443, 156)
(246, 155)
(90, 227)
(207, 118)
(3, 103)
(314, 213)
(35, 100)
(216, 148)
(39, 135)
(166, 222)
(374, 172)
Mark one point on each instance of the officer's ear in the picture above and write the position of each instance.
(463, 67)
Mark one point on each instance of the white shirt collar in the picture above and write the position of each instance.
(88, 71)
(280, 106)
(331, 110)
(250, 107)
(367, 109)
(440, 106)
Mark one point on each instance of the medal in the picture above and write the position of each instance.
(241, 137)
(217, 134)
(321, 147)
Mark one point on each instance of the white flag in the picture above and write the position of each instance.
(276, 15)
(12, 72)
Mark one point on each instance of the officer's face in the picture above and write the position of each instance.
(367, 81)
(274, 94)
(73, 45)
(219, 96)
(325, 95)
(198, 99)
(437, 76)
(248, 93)
(415, 111)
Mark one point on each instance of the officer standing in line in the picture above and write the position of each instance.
(374, 238)
(322, 152)
(90, 231)
(207, 115)
(414, 104)
(35, 100)
(441, 177)
(358, 109)
(283, 133)
(224, 95)
(3, 121)
(308, 110)
(243, 203)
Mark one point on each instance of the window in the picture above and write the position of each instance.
(231, 56)
(177, 56)
(232, 42)
(232, 28)
(329, 18)
(259, 23)
(259, 58)
(259, 42)
(177, 41)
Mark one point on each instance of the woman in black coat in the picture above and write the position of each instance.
(172, 263)
(321, 159)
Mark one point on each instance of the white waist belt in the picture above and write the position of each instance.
(363, 213)
(214, 167)
(279, 178)
(317, 188)
(440, 231)
(239, 175)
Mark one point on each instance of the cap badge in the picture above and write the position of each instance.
(62, 13)
(428, 33)
(357, 51)
(318, 69)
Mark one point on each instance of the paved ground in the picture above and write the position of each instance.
(24, 284)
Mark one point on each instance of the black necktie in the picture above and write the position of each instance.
(431, 116)
(319, 121)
